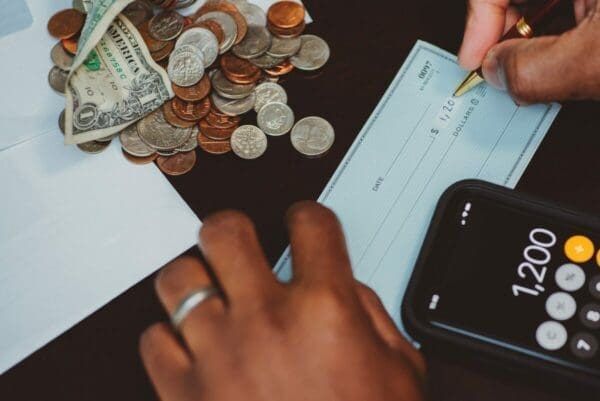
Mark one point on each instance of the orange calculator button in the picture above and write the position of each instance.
(579, 249)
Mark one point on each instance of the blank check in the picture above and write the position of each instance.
(418, 142)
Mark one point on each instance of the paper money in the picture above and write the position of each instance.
(114, 81)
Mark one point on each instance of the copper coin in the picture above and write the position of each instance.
(282, 69)
(153, 44)
(178, 164)
(229, 8)
(173, 118)
(191, 111)
(212, 26)
(237, 67)
(194, 93)
(244, 80)
(163, 53)
(139, 160)
(66, 23)
(213, 146)
(286, 14)
(187, 21)
(287, 33)
(70, 45)
(218, 121)
(219, 134)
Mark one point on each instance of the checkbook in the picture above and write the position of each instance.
(418, 142)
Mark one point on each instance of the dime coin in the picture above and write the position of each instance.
(191, 143)
(160, 135)
(283, 48)
(61, 58)
(204, 40)
(94, 147)
(249, 142)
(267, 61)
(133, 144)
(212, 146)
(186, 66)
(229, 28)
(194, 93)
(314, 53)
(313, 136)
(228, 89)
(57, 79)
(166, 26)
(178, 164)
(138, 12)
(269, 92)
(286, 14)
(66, 23)
(139, 160)
(219, 134)
(255, 44)
(191, 111)
(233, 107)
(173, 118)
(276, 119)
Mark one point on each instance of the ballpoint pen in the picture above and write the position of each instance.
(524, 28)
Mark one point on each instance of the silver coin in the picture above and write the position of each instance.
(184, 3)
(276, 119)
(57, 79)
(227, 89)
(93, 147)
(133, 144)
(233, 107)
(138, 12)
(204, 40)
(107, 139)
(157, 133)
(249, 142)
(313, 136)
(61, 58)
(166, 25)
(61, 122)
(285, 48)
(269, 92)
(253, 14)
(167, 153)
(79, 5)
(266, 61)
(192, 142)
(186, 66)
(313, 54)
(229, 28)
(256, 43)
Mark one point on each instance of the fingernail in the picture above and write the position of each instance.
(494, 71)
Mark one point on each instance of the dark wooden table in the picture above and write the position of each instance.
(98, 359)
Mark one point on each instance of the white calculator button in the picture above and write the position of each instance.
(551, 335)
(561, 306)
(570, 277)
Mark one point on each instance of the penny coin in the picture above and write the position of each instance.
(94, 147)
(66, 23)
(139, 160)
(228, 25)
(156, 132)
(192, 142)
(61, 58)
(255, 44)
(233, 107)
(186, 66)
(313, 136)
(194, 93)
(287, 33)
(133, 144)
(284, 48)
(251, 79)
(70, 45)
(138, 12)
(219, 134)
(286, 14)
(267, 61)
(276, 119)
(222, 121)
(57, 79)
(314, 53)
(213, 146)
(173, 118)
(249, 142)
(204, 40)
(191, 111)
(282, 69)
(163, 53)
(236, 67)
(269, 92)
(228, 89)
(178, 164)
(166, 25)
(153, 44)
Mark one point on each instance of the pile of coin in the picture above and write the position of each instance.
(224, 61)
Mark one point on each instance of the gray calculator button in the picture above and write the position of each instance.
(595, 286)
(561, 306)
(570, 277)
(551, 335)
(584, 345)
(590, 316)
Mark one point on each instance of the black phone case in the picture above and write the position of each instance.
(432, 337)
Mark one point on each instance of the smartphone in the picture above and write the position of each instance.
(508, 276)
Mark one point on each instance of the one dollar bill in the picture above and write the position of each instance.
(113, 82)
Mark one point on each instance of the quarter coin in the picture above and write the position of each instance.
(313, 54)
(255, 44)
(61, 58)
(57, 79)
(204, 40)
(269, 92)
(232, 107)
(133, 144)
(156, 132)
(313, 136)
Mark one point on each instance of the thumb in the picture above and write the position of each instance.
(538, 70)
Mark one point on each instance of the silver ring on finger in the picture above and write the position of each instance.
(191, 302)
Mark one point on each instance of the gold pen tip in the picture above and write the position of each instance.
(470, 82)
